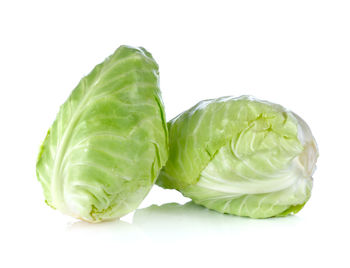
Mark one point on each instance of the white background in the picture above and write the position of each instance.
(296, 53)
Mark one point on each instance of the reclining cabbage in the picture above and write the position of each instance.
(241, 156)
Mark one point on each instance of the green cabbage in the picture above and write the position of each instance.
(241, 156)
(108, 143)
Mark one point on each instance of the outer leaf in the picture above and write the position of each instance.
(105, 149)
(241, 156)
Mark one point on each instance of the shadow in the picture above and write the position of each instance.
(194, 221)
(173, 222)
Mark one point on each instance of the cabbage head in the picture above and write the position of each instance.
(241, 156)
(108, 143)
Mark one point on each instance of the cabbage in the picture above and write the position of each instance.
(108, 143)
(241, 156)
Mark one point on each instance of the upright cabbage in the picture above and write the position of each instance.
(241, 156)
(108, 143)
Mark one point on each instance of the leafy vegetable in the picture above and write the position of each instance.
(104, 151)
(241, 156)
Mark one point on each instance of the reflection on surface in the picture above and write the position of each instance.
(190, 220)
(108, 226)
(106, 231)
(173, 221)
